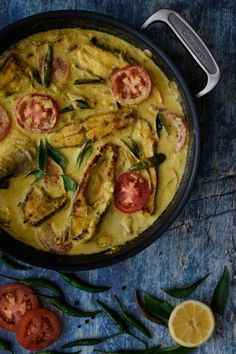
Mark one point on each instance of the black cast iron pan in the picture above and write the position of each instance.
(89, 20)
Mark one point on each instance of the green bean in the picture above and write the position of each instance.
(142, 308)
(82, 285)
(5, 346)
(88, 341)
(68, 309)
(43, 283)
(132, 320)
(117, 320)
(47, 67)
(153, 161)
(12, 264)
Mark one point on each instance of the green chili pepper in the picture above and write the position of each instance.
(82, 285)
(103, 45)
(132, 320)
(36, 76)
(176, 350)
(12, 264)
(152, 350)
(42, 155)
(5, 346)
(96, 80)
(133, 147)
(145, 312)
(43, 283)
(153, 161)
(68, 309)
(88, 341)
(69, 108)
(221, 293)
(47, 67)
(117, 320)
(185, 290)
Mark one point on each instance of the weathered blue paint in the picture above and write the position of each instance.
(203, 238)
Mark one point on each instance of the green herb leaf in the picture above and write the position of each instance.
(57, 156)
(43, 283)
(88, 341)
(152, 350)
(96, 80)
(133, 147)
(176, 350)
(160, 124)
(221, 293)
(13, 264)
(42, 155)
(132, 320)
(185, 290)
(69, 108)
(82, 104)
(4, 183)
(146, 313)
(38, 175)
(5, 346)
(47, 67)
(69, 184)
(84, 153)
(153, 161)
(157, 307)
(82, 285)
(36, 76)
(63, 306)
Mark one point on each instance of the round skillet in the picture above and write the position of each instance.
(89, 20)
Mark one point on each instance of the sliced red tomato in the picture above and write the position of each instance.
(132, 192)
(37, 113)
(60, 70)
(15, 301)
(5, 123)
(38, 329)
(131, 84)
(181, 131)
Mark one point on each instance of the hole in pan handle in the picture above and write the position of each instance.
(193, 44)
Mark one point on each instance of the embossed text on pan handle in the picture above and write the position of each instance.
(192, 42)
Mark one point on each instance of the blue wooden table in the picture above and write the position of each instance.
(203, 239)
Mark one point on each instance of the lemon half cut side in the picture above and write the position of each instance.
(191, 323)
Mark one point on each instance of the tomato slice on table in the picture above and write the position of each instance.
(132, 192)
(5, 123)
(131, 84)
(15, 301)
(37, 113)
(38, 329)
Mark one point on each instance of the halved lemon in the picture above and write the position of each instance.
(191, 323)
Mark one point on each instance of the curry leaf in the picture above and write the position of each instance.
(42, 155)
(185, 290)
(221, 293)
(157, 307)
(96, 80)
(69, 184)
(160, 124)
(142, 308)
(38, 175)
(153, 161)
(69, 108)
(57, 156)
(84, 153)
(133, 147)
(82, 104)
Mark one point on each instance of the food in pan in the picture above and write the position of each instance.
(93, 141)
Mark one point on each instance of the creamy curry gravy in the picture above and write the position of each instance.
(114, 227)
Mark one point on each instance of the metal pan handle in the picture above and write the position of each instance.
(192, 42)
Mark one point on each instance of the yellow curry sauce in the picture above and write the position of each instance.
(114, 227)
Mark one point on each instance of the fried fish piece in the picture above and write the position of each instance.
(97, 61)
(14, 74)
(93, 128)
(94, 194)
(17, 155)
(39, 205)
(54, 241)
(146, 139)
